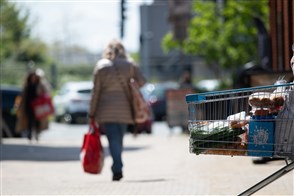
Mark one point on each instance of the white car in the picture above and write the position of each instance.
(72, 101)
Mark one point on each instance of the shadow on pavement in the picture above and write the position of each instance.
(18, 152)
(147, 180)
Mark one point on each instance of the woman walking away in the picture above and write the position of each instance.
(110, 105)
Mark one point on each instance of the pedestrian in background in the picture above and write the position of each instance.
(110, 105)
(35, 85)
(186, 81)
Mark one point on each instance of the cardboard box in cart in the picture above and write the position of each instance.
(261, 138)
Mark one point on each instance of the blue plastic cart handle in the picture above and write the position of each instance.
(199, 97)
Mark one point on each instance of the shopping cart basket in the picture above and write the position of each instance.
(256, 121)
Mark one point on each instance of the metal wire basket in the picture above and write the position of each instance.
(256, 121)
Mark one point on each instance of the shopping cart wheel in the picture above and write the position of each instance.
(263, 160)
(260, 160)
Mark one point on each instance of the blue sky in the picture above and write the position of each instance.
(88, 23)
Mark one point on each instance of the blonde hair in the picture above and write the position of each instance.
(114, 49)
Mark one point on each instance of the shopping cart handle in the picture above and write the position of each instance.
(200, 97)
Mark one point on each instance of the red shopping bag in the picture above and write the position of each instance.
(91, 154)
(42, 107)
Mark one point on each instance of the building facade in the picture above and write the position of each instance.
(155, 63)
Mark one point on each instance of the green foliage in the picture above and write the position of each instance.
(14, 28)
(74, 73)
(135, 56)
(33, 50)
(12, 73)
(223, 37)
(17, 47)
(168, 43)
(15, 35)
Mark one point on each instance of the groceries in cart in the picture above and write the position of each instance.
(266, 103)
(244, 122)
(217, 136)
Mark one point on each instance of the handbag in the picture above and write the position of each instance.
(42, 106)
(140, 108)
(91, 154)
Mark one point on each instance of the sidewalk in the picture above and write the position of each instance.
(153, 165)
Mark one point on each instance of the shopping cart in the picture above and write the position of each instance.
(256, 121)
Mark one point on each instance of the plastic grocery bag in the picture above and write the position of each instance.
(91, 154)
(284, 133)
(42, 107)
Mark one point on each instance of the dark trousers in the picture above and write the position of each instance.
(33, 125)
(114, 133)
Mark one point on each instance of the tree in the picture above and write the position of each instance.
(15, 35)
(224, 36)
(32, 50)
(13, 28)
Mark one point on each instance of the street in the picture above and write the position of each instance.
(156, 164)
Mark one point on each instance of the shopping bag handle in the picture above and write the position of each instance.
(94, 128)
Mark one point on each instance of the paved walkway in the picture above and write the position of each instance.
(153, 165)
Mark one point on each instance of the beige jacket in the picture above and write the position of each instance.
(109, 102)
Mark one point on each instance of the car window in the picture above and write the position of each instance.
(85, 91)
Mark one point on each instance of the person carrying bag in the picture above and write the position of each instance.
(110, 105)
(34, 105)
